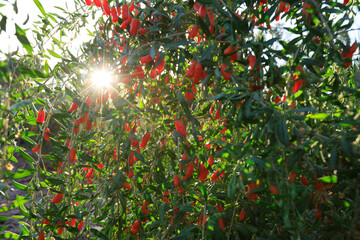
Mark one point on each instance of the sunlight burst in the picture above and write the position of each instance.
(101, 79)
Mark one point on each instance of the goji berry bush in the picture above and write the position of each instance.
(223, 119)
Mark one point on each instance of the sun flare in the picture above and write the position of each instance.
(101, 79)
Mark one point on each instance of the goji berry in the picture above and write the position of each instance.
(41, 116)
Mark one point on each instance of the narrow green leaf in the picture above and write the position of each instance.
(19, 185)
(27, 157)
(3, 23)
(328, 179)
(23, 173)
(99, 234)
(21, 104)
(54, 54)
(139, 156)
(207, 55)
(282, 132)
(318, 116)
(38, 4)
(21, 36)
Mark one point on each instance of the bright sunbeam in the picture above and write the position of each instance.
(101, 79)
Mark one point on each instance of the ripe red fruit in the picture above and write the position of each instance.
(114, 16)
(292, 177)
(126, 79)
(348, 55)
(252, 60)
(229, 50)
(153, 73)
(88, 2)
(41, 236)
(106, 7)
(88, 124)
(304, 180)
(282, 6)
(180, 128)
(176, 181)
(126, 185)
(202, 11)
(60, 230)
(146, 59)
(318, 213)
(189, 170)
(41, 116)
(242, 215)
(36, 148)
(125, 11)
(97, 3)
(211, 161)
(73, 107)
(130, 173)
(134, 143)
(57, 198)
(221, 224)
(46, 221)
(198, 72)
(135, 227)
(134, 26)
(224, 71)
(46, 137)
(215, 175)
(251, 187)
(194, 31)
(191, 70)
(145, 140)
(203, 173)
(80, 225)
(72, 155)
(274, 189)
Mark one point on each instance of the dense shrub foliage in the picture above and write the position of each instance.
(218, 122)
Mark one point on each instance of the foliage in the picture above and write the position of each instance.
(210, 129)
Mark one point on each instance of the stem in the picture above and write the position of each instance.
(233, 216)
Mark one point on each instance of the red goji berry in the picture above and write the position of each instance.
(57, 198)
(41, 116)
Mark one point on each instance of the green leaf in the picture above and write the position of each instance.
(33, 73)
(19, 185)
(282, 132)
(23, 173)
(27, 157)
(3, 23)
(231, 191)
(185, 233)
(162, 212)
(54, 54)
(99, 234)
(298, 154)
(328, 179)
(305, 109)
(21, 104)
(259, 161)
(139, 156)
(318, 116)
(21, 36)
(207, 55)
(3, 218)
(38, 4)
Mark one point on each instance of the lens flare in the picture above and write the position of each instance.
(101, 79)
